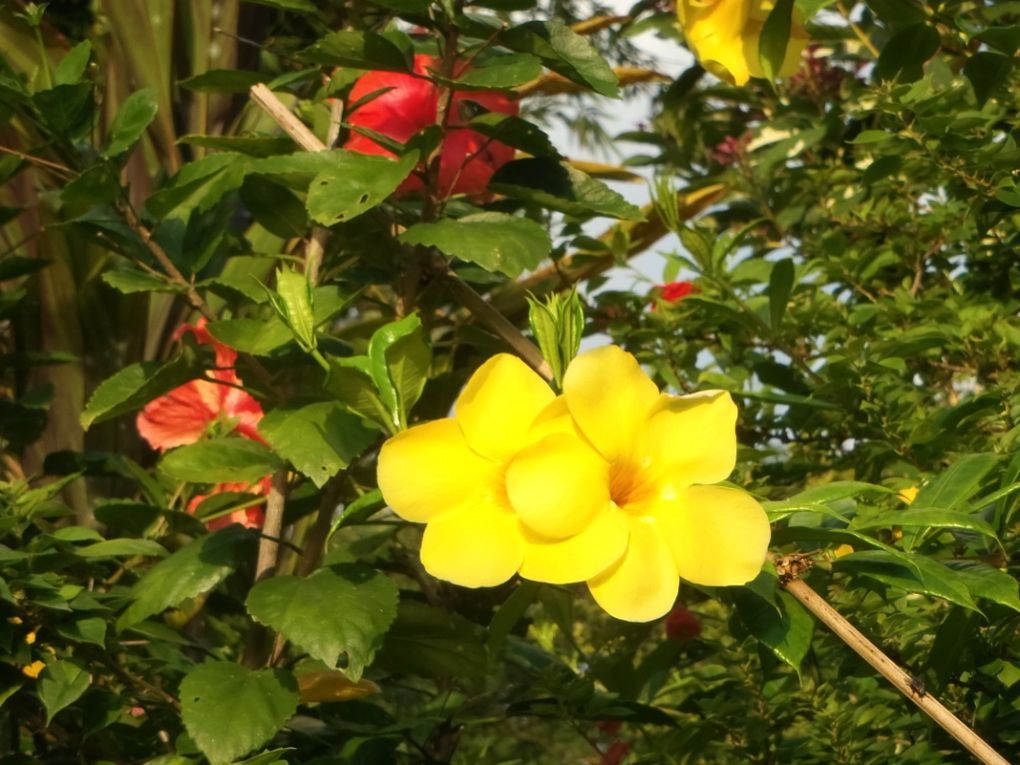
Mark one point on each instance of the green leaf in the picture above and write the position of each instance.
(293, 301)
(91, 629)
(780, 287)
(495, 241)
(337, 610)
(222, 81)
(66, 109)
(274, 206)
(221, 460)
(61, 684)
(229, 710)
(354, 184)
(958, 483)
(515, 132)
(433, 643)
(350, 380)
(130, 280)
(565, 52)
(987, 582)
(399, 361)
(920, 517)
(259, 337)
(927, 576)
(195, 568)
(987, 72)
(136, 385)
(319, 439)
(502, 72)
(787, 632)
(547, 182)
(775, 38)
(362, 50)
(904, 55)
(115, 548)
(133, 116)
(73, 65)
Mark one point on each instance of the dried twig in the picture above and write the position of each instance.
(789, 568)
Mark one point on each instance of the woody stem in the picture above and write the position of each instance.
(885, 666)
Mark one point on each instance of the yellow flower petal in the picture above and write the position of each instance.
(476, 546)
(609, 397)
(329, 685)
(691, 439)
(579, 558)
(718, 536)
(555, 418)
(32, 670)
(429, 469)
(643, 585)
(557, 485)
(498, 405)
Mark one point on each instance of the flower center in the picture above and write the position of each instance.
(630, 483)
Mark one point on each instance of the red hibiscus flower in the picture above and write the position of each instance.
(183, 415)
(252, 516)
(408, 104)
(681, 624)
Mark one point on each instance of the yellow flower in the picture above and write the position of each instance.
(30, 637)
(606, 484)
(909, 494)
(33, 669)
(843, 550)
(724, 36)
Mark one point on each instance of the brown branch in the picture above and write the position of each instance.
(272, 527)
(788, 568)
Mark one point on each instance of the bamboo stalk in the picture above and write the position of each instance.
(885, 666)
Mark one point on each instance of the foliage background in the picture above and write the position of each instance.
(851, 232)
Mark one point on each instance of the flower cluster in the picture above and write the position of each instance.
(608, 484)
(187, 413)
(398, 106)
(724, 36)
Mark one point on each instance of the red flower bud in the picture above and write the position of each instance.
(408, 104)
(681, 624)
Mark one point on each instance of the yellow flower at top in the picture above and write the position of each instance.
(724, 35)
(608, 484)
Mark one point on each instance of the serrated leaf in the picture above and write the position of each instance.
(354, 184)
(61, 684)
(361, 50)
(319, 439)
(274, 206)
(221, 460)
(502, 72)
(195, 568)
(565, 52)
(230, 710)
(132, 118)
(340, 610)
(91, 629)
(495, 241)
(259, 337)
(136, 385)
(131, 280)
(547, 182)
